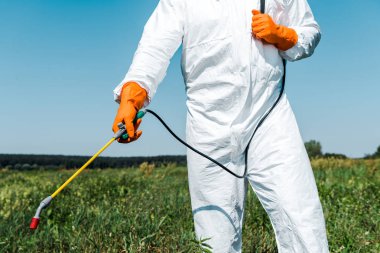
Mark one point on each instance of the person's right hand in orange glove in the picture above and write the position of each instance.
(132, 98)
(264, 28)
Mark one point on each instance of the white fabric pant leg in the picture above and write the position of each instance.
(279, 171)
(217, 200)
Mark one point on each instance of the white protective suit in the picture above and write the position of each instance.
(232, 80)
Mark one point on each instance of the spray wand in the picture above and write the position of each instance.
(122, 133)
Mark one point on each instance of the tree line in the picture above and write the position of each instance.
(50, 162)
(314, 150)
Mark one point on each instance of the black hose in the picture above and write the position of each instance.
(247, 148)
(190, 147)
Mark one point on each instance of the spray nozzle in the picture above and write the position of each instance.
(36, 219)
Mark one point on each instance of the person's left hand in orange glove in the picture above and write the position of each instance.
(264, 28)
(132, 98)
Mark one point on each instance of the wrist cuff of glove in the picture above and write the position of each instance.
(289, 38)
(132, 92)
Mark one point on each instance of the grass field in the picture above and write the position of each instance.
(148, 210)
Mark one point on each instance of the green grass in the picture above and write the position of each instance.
(138, 210)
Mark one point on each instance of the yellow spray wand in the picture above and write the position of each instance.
(45, 203)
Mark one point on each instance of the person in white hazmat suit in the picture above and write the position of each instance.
(232, 63)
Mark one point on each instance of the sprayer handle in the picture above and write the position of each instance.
(122, 133)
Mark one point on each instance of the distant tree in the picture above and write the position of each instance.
(334, 155)
(374, 155)
(26, 166)
(377, 153)
(313, 148)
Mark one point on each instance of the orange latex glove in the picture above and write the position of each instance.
(132, 98)
(264, 28)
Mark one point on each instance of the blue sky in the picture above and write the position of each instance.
(60, 60)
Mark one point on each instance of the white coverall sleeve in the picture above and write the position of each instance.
(161, 38)
(301, 19)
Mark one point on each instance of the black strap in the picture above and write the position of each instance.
(262, 6)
